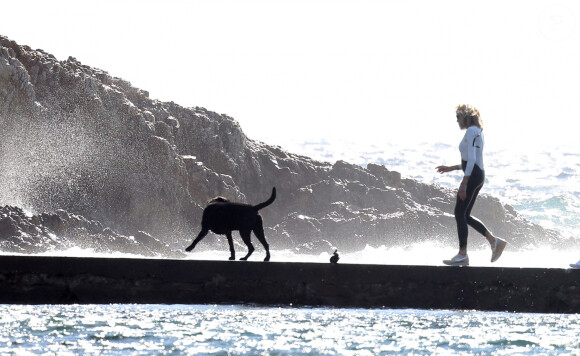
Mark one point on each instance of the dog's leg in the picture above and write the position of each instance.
(246, 235)
(259, 232)
(231, 243)
(199, 237)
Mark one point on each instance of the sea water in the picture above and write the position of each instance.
(542, 187)
(255, 330)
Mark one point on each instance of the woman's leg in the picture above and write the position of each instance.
(473, 221)
(463, 208)
(461, 220)
(464, 219)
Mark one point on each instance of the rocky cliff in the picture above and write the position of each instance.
(75, 141)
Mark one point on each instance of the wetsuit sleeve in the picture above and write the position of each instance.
(471, 153)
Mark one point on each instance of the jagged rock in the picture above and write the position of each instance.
(390, 178)
(21, 232)
(8, 227)
(77, 139)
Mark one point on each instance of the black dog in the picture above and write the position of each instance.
(222, 217)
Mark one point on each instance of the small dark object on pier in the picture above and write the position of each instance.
(334, 258)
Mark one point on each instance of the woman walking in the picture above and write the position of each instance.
(471, 149)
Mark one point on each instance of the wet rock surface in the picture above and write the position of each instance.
(61, 231)
(80, 143)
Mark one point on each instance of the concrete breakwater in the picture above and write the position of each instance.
(68, 280)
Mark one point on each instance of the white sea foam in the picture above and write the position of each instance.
(420, 254)
(79, 252)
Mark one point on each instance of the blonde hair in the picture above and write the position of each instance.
(468, 116)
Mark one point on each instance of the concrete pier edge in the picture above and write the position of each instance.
(75, 280)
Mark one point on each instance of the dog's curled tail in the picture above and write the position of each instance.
(267, 202)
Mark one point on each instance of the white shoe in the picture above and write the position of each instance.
(575, 265)
(497, 248)
(458, 260)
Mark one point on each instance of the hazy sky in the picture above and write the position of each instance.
(373, 71)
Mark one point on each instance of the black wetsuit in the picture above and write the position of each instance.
(463, 207)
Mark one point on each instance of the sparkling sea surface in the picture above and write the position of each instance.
(256, 330)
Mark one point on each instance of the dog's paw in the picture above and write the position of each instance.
(232, 258)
